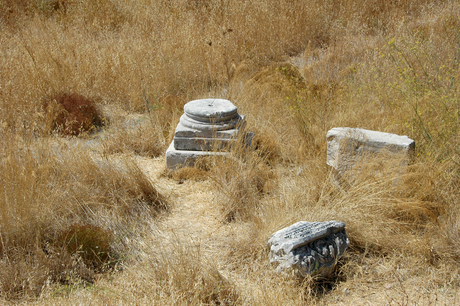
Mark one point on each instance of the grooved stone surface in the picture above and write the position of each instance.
(310, 248)
(208, 124)
(211, 125)
(179, 158)
(204, 137)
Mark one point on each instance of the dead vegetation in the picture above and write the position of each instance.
(65, 215)
(71, 114)
(90, 219)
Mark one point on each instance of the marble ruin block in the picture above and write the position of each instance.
(176, 159)
(208, 126)
(207, 123)
(308, 248)
(347, 148)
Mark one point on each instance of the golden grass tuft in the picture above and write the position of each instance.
(90, 243)
(266, 148)
(141, 140)
(187, 272)
(189, 173)
(242, 183)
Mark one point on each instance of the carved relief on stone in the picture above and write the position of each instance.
(309, 248)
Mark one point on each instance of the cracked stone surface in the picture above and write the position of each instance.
(343, 143)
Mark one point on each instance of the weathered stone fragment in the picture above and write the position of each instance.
(348, 147)
(309, 248)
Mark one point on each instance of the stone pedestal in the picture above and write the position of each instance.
(207, 127)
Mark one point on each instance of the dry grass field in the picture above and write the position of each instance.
(91, 92)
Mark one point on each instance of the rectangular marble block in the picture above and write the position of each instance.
(176, 159)
(346, 146)
(197, 140)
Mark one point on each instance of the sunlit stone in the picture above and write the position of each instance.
(355, 152)
(309, 248)
(208, 126)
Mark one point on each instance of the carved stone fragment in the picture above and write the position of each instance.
(309, 248)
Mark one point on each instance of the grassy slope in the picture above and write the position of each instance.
(295, 69)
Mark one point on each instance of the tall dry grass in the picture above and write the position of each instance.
(65, 215)
(295, 69)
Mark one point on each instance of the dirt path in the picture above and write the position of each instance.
(194, 217)
(193, 214)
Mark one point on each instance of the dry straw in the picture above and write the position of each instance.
(296, 69)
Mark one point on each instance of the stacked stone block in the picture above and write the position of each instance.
(207, 127)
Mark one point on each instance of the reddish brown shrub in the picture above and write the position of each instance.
(72, 114)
